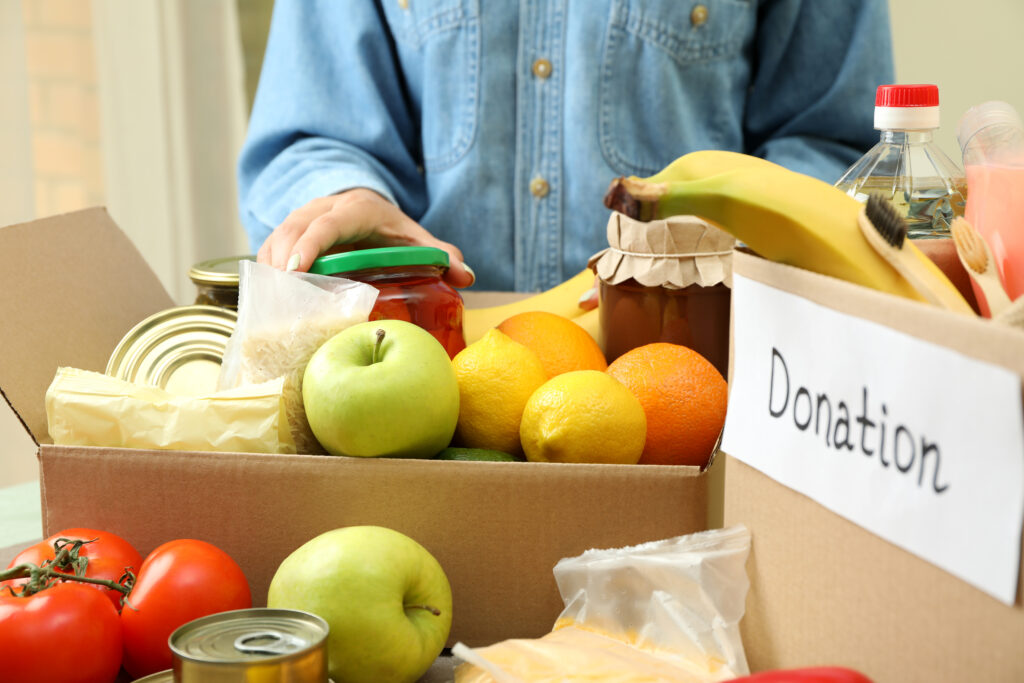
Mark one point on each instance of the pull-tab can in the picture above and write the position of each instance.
(280, 645)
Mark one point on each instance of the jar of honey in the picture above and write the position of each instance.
(665, 281)
(410, 286)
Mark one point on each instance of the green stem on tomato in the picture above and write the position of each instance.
(39, 577)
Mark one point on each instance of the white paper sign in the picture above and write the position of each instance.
(916, 443)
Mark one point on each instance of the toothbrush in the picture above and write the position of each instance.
(886, 231)
(977, 259)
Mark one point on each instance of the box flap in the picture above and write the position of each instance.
(73, 285)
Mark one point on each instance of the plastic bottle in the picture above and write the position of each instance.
(906, 166)
(991, 137)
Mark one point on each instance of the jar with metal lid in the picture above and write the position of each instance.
(665, 281)
(411, 287)
(216, 281)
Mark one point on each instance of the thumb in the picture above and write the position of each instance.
(459, 275)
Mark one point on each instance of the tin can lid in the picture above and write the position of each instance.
(178, 349)
(246, 635)
(166, 676)
(220, 271)
(384, 257)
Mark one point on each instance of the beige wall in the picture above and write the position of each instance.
(974, 52)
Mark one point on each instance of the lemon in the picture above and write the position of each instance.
(583, 416)
(496, 377)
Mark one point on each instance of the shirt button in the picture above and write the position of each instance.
(542, 68)
(699, 15)
(539, 187)
(404, 4)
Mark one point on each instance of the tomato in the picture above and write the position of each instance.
(390, 305)
(180, 581)
(108, 557)
(106, 545)
(67, 633)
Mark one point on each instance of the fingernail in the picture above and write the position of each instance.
(293, 261)
(587, 295)
(469, 270)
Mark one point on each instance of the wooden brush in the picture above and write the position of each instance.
(886, 231)
(977, 259)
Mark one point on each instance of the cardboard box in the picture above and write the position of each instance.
(824, 591)
(74, 285)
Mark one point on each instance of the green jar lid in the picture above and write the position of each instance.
(384, 257)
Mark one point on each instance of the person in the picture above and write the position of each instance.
(492, 130)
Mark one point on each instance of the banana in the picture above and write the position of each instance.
(563, 299)
(782, 215)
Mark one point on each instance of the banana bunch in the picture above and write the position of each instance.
(782, 215)
(563, 299)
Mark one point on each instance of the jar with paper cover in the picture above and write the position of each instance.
(665, 281)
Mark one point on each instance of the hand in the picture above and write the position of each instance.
(360, 218)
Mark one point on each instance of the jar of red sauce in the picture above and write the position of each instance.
(410, 286)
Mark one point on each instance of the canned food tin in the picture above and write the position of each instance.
(166, 676)
(258, 644)
(178, 349)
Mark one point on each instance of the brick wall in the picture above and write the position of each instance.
(63, 105)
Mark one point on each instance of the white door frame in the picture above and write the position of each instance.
(173, 116)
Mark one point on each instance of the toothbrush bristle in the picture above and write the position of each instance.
(889, 224)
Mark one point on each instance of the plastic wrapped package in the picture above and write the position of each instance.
(92, 409)
(282, 319)
(662, 611)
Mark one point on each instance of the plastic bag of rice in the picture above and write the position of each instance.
(283, 317)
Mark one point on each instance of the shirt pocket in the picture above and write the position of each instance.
(440, 40)
(673, 78)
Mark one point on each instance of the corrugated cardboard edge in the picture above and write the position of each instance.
(65, 280)
(824, 591)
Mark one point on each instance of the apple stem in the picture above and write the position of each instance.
(433, 610)
(376, 347)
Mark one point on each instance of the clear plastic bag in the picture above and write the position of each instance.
(662, 611)
(283, 317)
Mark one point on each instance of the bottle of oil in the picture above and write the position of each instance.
(906, 166)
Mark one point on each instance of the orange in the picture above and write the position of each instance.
(684, 398)
(561, 344)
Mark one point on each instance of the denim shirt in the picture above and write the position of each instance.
(499, 125)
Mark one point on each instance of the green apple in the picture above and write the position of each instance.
(385, 598)
(381, 388)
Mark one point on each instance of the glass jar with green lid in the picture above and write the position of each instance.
(411, 286)
(216, 281)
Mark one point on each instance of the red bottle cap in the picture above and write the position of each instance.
(907, 96)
